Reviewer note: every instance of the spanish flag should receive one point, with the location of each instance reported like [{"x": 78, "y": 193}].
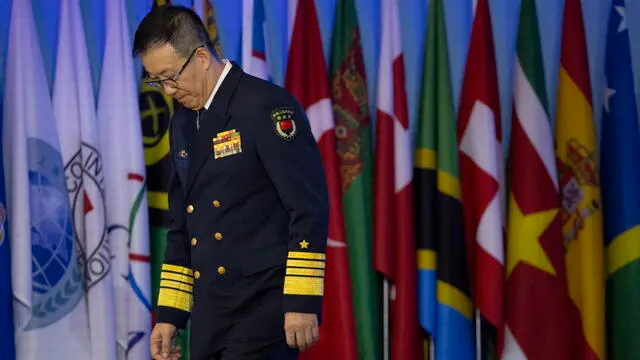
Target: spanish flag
[{"x": 580, "y": 213}]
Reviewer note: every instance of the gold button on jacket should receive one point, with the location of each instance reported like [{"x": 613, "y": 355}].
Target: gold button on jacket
[
  {"x": 194, "y": 241},
  {"x": 216, "y": 203},
  {"x": 222, "y": 270},
  {"x": 190, "y": 209},
  {"x": 218, "y": 236},
  {"x": 196, "y": 274}
]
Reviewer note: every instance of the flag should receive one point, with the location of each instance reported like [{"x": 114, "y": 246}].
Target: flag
[
  {"x": 7, "y": 342},
  {"x": 394, "y": 243},
  {"x": 482, "y": 178},
  {"x": 254, "y": 40},
  {"x": 353, "y": 132},
  {"x": 306, "y": 80},
  {"x": 206, "y": 12},
  {"x": 580, "y": 214},
  {"x": 620, "y": 176},
  {"x": 125, "y": 183},
  {"x": 47, "y": 275},
  {"x": 537, "y": 299},
  {"x": 75, "y": 115},
  {"x": 439, "y": 215}
]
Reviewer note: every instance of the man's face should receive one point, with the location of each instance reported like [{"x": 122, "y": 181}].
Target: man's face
[{"x": 189, "y": 88}]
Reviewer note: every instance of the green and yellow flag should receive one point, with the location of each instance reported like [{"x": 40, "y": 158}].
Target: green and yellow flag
[{"x": 620, "y": 174}]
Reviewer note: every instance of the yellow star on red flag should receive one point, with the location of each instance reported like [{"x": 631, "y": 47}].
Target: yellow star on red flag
[{"x": 524, "y": 234}]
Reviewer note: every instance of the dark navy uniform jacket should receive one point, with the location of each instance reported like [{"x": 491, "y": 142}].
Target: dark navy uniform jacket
[{"x": 249, "y": 209}]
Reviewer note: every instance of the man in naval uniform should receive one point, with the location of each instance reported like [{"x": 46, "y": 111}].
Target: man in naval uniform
[{"x": 248, "y": 203}]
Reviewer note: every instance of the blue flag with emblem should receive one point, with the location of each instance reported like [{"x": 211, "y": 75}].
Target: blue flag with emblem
[
  {"x": 620, "y": 192},
  {"x": 7, "y": 343},
  {"x": 47, "y": 275}
]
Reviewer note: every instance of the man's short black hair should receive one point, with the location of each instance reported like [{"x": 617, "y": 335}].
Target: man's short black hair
[{"x": 178, "y": 26}]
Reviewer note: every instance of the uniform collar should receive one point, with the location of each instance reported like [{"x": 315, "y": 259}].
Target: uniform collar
[
  {"x": 220, "y": 102},
  {"x": 223, "y": 75}
]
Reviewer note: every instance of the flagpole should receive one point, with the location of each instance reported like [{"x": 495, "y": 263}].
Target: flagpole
[
  {"x": 385, "y": 319},
  {"x": 432, "y": 348},
  {"x": 478, "y": 336}
]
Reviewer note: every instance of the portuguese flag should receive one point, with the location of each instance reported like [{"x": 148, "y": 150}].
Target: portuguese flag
[
  {"x": 537, "y": 300},
  {"x": 156, "y": 109},
  {"x": 353, "y": 138}
]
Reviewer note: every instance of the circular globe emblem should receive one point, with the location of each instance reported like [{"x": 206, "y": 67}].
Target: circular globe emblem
[{"x": 56, "y": 276}]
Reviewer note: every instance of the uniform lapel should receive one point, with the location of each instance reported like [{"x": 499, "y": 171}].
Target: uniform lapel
[
  {"x": 188, "y": 130},
  {"x": 202, "y": 146},
  {"x": 212, "y": 121}
]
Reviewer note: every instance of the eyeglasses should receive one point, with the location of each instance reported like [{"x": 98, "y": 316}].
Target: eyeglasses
[{"x": 173, "y": 81}]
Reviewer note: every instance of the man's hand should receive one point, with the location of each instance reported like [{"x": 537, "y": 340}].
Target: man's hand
[
  {"x": 301, "y": 330},
  {"x": 161, "y": 342}
]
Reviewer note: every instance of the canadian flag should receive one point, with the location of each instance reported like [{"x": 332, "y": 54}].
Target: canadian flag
[
  {"x": 394, "y": 241},
  {"x": 307, "y": 80}
]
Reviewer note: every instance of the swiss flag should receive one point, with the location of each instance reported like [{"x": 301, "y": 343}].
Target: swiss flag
[{"x": 481, "y": 172}]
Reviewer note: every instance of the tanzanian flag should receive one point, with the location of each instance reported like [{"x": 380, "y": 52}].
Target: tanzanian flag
[
  {"x": 620, "y": 176},
  {"x": 446, "y": 309}
]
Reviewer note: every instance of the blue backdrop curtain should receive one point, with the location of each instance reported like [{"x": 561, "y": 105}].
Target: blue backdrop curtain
[{"x": 413, "y": 15}]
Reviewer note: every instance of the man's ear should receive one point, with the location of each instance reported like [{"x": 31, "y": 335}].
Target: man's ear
[{"x": 204, "y": 56}]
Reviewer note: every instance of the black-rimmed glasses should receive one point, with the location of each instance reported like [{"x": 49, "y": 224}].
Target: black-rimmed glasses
[{"x": 173, "y": 81}]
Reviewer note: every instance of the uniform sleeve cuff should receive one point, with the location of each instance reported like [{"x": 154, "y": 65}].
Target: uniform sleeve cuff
[
  {"x": 175, "y": 317},
  {"x": 175, "y": 297},
  {"x": 304, "y": 282},
  {"x": 303, "y": 304}
]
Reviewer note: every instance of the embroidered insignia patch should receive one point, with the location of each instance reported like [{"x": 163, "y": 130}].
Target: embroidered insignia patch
[
  {"x": 284, "y": 122},
  {"x": 227, "y": 143}
]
